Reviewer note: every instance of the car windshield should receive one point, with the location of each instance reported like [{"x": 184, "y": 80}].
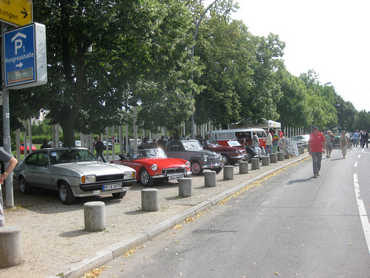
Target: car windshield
[
  {"x": 71, "y": 155},
  {"x": 192, "y": 145},
  {"x": 152, "y": 153},
  {"x": 233, "y": 143}
]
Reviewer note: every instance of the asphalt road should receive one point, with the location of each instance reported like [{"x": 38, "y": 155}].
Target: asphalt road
[{"x": 292, "y": 225}]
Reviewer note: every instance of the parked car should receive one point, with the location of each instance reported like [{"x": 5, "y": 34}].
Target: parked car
[
  {"x": 152, "y": 164},
  {"x": 21, "y": 148},
  {"x": 108, "y": 145},
  {"x": 231, "y": 151},
  {"x": 301, "y": 140},
  {"x": 192, "y": 150},
  {"x": 73, "y": 172}
]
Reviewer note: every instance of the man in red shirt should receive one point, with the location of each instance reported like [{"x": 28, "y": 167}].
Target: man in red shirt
[{"x": 316, "y": 144}]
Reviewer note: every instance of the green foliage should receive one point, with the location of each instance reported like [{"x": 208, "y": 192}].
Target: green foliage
[{"x": 142, "y": 57}]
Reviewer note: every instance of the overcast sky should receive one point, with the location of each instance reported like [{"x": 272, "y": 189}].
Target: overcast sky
[{"x": 331, "y": 37}]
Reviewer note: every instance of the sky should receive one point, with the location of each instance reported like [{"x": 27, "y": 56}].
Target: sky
[{"x": 332, "y": 37}]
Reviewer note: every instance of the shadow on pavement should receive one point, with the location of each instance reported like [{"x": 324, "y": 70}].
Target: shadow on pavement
[
  {"x": 75, "y": 233},
  {"x": 300, "y": 180},
  {"x": 47, "y": 202}
]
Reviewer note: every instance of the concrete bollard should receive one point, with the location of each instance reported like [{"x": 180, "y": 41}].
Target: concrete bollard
[
  {"x": 280, "y": 156},
  {"x": 255, "y": 163},
  {"x": 149, "y": 199},
  {"x": 243, "y": 167},
  {"x": 185, "y": 187},
  {"x": 273, "y": 158},
  {"x": 265, "y": 160},
  {"x": 10, "y": 247},
  {"x": 228, "y": 172},
  {"x": 94, "y": 214},
  {"x": 209, "y": 178}
]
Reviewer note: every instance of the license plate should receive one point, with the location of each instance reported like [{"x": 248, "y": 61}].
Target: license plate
[
  {"x": 107, "y": 187},
  {"x": 175, "y": 177}
]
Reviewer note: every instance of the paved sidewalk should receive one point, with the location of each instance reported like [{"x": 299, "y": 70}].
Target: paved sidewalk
[{"x": 53, "y": 236}]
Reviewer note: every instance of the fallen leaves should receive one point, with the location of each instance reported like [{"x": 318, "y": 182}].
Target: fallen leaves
[
  {"x": 93, "y": 273},
  {"x": 130, "y": 252}
]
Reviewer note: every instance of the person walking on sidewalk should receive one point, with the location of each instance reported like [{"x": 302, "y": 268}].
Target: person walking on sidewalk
[
  {"x": 316, "y": 143},
  {"x": 269, "y": 142},
  {"x": 99, "y": 148},
  {"x": 5, "y": 157},
  {"x": 344, "y": 143}
]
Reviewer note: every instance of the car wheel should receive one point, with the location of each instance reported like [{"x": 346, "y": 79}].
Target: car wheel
[
  {"x": 196, "y": 169},
  {"x": 24, "y": 186},
  {"x": 119, "y": 195},
  {"x": 225, "y": 159},
  {"x": 145, "y": 178},
  {"x": 65, "y": 194}
]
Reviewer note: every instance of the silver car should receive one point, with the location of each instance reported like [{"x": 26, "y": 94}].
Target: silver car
[{"x": 73, "y": 172}]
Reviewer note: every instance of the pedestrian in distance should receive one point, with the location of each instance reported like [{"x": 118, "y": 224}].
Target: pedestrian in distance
[
  {"x": 5, "y": 157},
  {"x": 367, "y": 139},
  {"x": 99, "y": 148},
  {"x": 269, "y": 142},
  {"x": 344, "y": 142},
  {"x": 316, "y": 143},
  {"x": 45, "y": 144},
  {"x": 329, "y": 139},
  {"x": 275, "y": 142},
  {"x": 255, "y": 140}
]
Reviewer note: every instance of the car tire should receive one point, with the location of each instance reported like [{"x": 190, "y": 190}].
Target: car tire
[
  {"x": 225, "y": 160},
  {"x": 145, "y": 178},
  {"x": 24, "y": 187},
  {"x": 65, "y": 194},
  {"x": 196, "y": 169},
  {"x": 119, "y": 195}
]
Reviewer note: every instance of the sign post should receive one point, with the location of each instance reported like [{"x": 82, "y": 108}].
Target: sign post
[
  {"x": 25, "y": 57},
  {"x": 9, "y": 194}
]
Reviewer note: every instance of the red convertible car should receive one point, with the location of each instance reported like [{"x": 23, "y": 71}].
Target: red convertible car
[{"x": 152, "y": 164}]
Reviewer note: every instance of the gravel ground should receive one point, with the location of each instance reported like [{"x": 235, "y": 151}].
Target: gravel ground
[{"x": 53, "y": 235}]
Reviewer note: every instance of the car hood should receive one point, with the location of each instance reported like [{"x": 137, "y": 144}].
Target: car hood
[
  {"x": 94, "y": 168},
  {"x": 163, "y": 162}
]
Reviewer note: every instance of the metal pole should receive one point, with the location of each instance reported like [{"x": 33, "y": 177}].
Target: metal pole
[{"x": 9, "y": 195}]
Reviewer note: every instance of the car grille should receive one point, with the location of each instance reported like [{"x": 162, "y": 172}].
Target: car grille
[
  {"x": 100, "y": 180},
  {"x": 173, "y": 171},
  {"x": 213, "y": 160},
  {"x": 109, "y": 178}
]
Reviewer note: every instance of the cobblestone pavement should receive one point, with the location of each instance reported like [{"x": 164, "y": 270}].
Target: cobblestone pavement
[{"x": 53, "y": 235}]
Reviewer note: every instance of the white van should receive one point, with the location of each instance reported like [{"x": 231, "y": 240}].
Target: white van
[{"x": 240, "y": 134}]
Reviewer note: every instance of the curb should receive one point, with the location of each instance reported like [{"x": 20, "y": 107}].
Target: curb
[{"x": 103, "y": 256}]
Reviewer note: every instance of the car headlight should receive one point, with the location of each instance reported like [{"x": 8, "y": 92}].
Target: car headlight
[
  {"x": 88, "y": 179},
  {"x": 187, "y": 164},
  {"x": 130, "y": 175},
  {"x": 154, "y": 167},
  {"x": 205, "y": 157}
]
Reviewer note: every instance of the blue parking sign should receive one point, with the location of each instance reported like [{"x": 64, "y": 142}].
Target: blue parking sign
[{"x": 25, "y": 56}]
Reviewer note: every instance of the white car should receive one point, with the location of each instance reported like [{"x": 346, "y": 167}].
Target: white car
[{"x": 73, "y": 172}]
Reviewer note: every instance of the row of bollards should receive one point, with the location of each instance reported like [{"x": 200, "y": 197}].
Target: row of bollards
[{"x": 94, "y": 212}]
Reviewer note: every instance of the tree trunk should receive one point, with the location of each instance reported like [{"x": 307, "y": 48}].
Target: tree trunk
[{"x": 68, "y": 131}]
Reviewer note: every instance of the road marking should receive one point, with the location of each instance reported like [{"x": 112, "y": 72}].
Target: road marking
[
  {"x": 355, "y": 164},
  {"x": 359, "y": 156},
  {"x": 362, "y": 211}
]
